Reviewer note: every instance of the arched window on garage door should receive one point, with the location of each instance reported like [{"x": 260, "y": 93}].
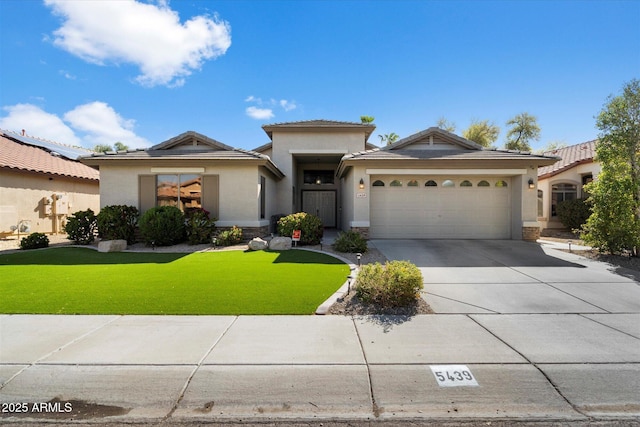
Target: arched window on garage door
[
  {"x": 412, "y": 183},
  {"x": 466, "y": 183},
  {"x": 484, "y": 183},
  {"x": 501, "y": 184},
  {"x": 431, "y": 183},
  {"x": 448, "y": 183},
  {"x": 396, "y": 183},
  {"x": 378, "y": 183}
]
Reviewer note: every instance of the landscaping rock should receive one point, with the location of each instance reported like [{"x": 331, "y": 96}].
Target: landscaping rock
[
  {"x": 257, "y": 244},
  {"x": 280, "y": 244},
  {"x": 112, "y": 246}
]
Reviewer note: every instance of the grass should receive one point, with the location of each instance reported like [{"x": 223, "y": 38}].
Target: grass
[{"x": 83, "y": 281}]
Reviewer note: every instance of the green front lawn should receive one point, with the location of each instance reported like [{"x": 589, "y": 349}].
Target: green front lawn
[{"x": 83, "y": 281}]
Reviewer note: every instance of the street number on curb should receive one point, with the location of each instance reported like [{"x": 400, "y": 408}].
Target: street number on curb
[{"x": 453, "y": 376}]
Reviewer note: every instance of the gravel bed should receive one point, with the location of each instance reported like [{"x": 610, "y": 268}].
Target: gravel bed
[{"x": 350, "y": 305}]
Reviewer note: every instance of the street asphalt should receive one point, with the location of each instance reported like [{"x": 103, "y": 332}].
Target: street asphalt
[{"x": 523, "y": 333}]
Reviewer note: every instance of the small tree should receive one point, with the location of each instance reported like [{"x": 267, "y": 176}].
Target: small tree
[
  {"x": 445, "y": 124},
  {"x": 614, "y": 225},
  {"x": 367, "y": 119},
  {"x": 524, "y": 129},
  {"x": 482, "y": 132},
  {"x": 388, "y": 138}
]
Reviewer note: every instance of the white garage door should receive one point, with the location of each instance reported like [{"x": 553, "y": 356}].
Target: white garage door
[{"x": 440, "y": 207}]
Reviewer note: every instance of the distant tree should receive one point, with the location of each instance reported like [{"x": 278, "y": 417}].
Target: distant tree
[
  {"x": 614, "y": 224},
  {"x": 388, "y": 138},
  {"x": 552, "y": 146},
  {"x": 119, "y": 146},
  {"x": 445, "y": 124},
  {"x": 482, "y": 132},
  {"x": 102, "y": 148},
  {"x": 367, "y": 119},
  {"x": 524, "y": 129}
]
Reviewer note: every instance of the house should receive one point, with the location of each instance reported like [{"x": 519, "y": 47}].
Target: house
[
  {"x": 41, "y": 184},
  {"x": 432, "y": 184},
  {"x": 565, "y": 180}
]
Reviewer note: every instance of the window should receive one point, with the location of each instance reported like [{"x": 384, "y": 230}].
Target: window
[
  {"x": 540, "y": 195},
  {"x": 560, "y": 193},
  {"x": 318, "y": 177},
  {"x": 263, "y": 197},
  {"x": 182, "y": 191},
  {"x": 501, "y": 184},
  {"x": 484, "y": 183},
  {"x": 466, "y": 183},
  {"x": 378, "y": 183},
  {"x": 431, "y": 183},
  {"x": 448, "y": 183},
  {"x": 412, "y": 183},
  {"x": 395, "y": 183}
]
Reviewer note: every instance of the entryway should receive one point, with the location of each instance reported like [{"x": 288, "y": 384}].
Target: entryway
[{"x": 322, "y": 204}]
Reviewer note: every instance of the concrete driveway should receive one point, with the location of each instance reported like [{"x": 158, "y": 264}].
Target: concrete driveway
[{"x": 514, "y": 277}]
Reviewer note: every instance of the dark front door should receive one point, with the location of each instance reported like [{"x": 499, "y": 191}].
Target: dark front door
[{"x": 322, "y": 204}]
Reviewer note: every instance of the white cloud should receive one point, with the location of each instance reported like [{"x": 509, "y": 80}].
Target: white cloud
[
  {"x": 102, "y": 125},
  {"x": 259, "y": 113},
  {"x": 37, "y": 122},
  {"x": 86, "y": 125},
  {"x": 288, "y": 105},
  {"x": 149, "y": 36}
]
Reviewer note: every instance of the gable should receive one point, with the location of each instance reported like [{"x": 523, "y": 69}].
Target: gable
[
  {"x": 191, "y": 140},
  {"x": 434, "y": 139}
]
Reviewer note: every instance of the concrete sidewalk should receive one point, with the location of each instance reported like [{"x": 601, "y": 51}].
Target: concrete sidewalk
[
  {"x": 565, "y": 367},
  {"x": 524, "y": 333}
]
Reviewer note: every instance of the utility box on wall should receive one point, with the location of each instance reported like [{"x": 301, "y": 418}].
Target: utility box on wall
[
  {"x": 61, "y": 204},
  {"x": 47, "y": 206}
]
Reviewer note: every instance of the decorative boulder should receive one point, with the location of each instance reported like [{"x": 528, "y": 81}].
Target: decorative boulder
[
  {"x": 112, "y": 246},
  {"x": 257, "y": 244},
  {"x": 280, "y": 243}
]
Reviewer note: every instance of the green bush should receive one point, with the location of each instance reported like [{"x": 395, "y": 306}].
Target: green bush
[
  {"x": 573, "y": 214},
  {"x": 81, "y": 227},
  {"x": 199, "y": 226},
  {"x": 34, "y": 241},
  {"x": 395, "y": 284},
  {"x": 118, "y": 222},
  {"x": 233, "y": 236},
  {"x": 350, "y": 241},
  {"x": 310, "y": 226},
  {"x": 162, "y": 226}
]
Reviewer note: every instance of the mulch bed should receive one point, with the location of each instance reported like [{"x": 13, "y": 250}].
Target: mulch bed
[{"x": 350, "y": 305}]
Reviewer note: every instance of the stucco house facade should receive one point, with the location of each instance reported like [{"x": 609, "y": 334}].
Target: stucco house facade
[
  {"x": 41, "y": 184},
  {"x": 565, "y": 180},
  {"x": 432, "y": 184}
]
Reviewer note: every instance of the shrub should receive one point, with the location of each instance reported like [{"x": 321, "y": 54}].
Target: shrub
[
  {"x": 162, "y": 226},
  {"x": 233, "y": 236},
  {"x": 81, "y": 227},
  {"x": 309, "y": 225},
  {"x": 350, "y": 241},
  {"x": 118, "y": 222},
  {"x": 34, "y": 241},
  {"x": 199, "y": 226},
  {"x": 573, "y": 213},
  {"x": 395, "y": 284}
]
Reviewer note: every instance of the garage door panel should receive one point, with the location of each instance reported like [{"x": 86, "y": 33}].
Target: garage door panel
[{"x": 440, "y": 212}]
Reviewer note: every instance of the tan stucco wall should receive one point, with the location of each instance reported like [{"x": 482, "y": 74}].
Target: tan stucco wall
[
  {"x": 22, "y": 194},
  {"x": 238, "y": 190},
  {"x": 570, "y": 176},
  {"x": 287, "y": 144}
]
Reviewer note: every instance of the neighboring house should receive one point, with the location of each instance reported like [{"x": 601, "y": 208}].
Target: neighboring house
[
  {"x": 433, "y": 184},
  {"x": 41, "y": 184},
  {"x": 565, "y": 180}
]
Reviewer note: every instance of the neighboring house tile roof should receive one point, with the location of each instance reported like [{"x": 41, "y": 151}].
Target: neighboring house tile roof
[
  {"x": 570, "y": 156},
  {"x": 71, "y": 153},
  {"x": 24, "y": 157}
]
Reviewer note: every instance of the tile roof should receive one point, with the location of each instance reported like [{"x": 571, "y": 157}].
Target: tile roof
[
  {"x": 400, "y": 154},
  {"x": 570, "y": 156},
  {"x": 20, "y": 156},
  {"x": 329, "y": 124}
]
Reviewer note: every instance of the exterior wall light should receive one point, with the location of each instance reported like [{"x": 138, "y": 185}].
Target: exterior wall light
[
  {"x": 361, "y": 185},
  {"x": 531, "y": 184}
]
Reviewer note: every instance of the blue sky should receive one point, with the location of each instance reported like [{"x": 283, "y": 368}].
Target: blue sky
[{"x": 103, "y": 71}]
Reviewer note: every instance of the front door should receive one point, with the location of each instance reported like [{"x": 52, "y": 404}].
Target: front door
[{"x": 321, "y": 204}]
